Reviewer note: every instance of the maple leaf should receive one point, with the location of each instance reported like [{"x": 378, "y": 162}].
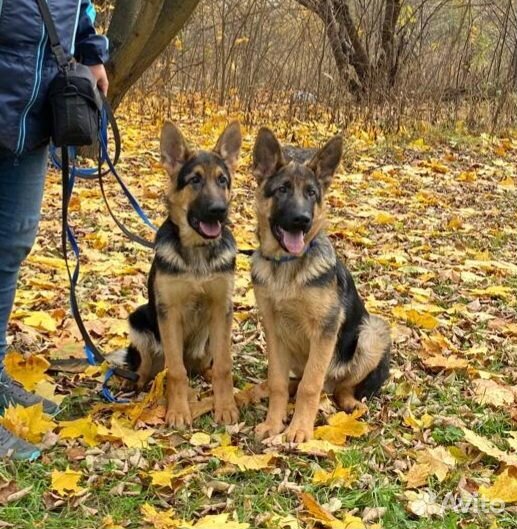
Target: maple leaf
[
  {"x": 494, "y": 291},
  {"x": 488, "y": 448},
  {"x": 29, "y": 423},
  {"x": 217, "y": 521},
  {"x": 420, "y": 318},
  {"x": 285, "y": 522},
  {"x": 67, "y": 482},
  {"x": 422, "y": 504},
  {"x": 342, "y": 425},
  {"x": 47, "y": 390},
  {"x": 200, "y": 439},
  {"x": 108, "y": 523},
  {"x": 339, "y": 476},
  {"x": 490, "y": 392},
  {"x": 418, "y": 424},
  {"x": 435, "y": 461},
  {"x": 152, "y": 398},
  {"x": 235, "y": 456},
  {"x": 445, "y": 362},
  {"x": 123, "y": 431},
  {"x": 41, "y": 320},
  {"x": 27, "y": 371},
  {"x": 504, "y": 488},
  {"x": 163, "y": 478},
  {"x": 322, "y": 515},
  {"x": 83, "y": 428},
  {"x": 318, "y": 447},
  {"x": 159, "y": 520}
]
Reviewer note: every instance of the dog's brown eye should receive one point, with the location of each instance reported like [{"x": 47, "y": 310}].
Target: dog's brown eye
[
  {"x": 222, "y": 180},
  {"x": 196, "y": 179},
  {"x": 282, "y": 189},
  {"x": 311, "y": 192}
]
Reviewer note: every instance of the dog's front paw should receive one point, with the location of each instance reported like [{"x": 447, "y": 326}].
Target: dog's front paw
[
  {"x": 298, "y": 433},
  {"x": 268, "y": 429},
  {"x": 179, "y": 415},
  {"x": 226, "y": 413}
]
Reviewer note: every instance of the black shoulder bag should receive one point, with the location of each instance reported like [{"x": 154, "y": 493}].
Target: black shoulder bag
[{"x": 73, "y": 95}]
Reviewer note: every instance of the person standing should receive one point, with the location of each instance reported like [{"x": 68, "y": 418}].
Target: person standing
[{"x": 27, "y": 66}]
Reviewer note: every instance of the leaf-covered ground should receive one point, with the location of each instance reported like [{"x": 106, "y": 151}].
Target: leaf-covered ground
[{"x": 427, "y": 226}]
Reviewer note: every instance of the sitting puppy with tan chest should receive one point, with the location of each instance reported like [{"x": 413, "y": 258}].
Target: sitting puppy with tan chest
[
  {"x": 315, "y": 323},
  {"x": 186, "y": 325}
]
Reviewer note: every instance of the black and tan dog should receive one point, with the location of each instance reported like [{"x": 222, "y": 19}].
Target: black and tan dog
[
  {"x": 186, "y": 324},
  {"x": 316, "y": 324}
]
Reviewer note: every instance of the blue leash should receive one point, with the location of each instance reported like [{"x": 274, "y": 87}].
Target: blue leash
[{"x": 70, "y": 174}]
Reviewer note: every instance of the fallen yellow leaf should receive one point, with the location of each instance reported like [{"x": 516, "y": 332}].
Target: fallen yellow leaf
[
  {"x": 435, "y": 461},
  {"x": 83, "y": 428},
  {"x": 504, "y": 488},
  {"x": 218, "y": 521},
  {"x": 493, "y": 292},
  {"x": 108, "y": 523},
  {"x": 200, "y": 439},
  {"x": 488, "y": 448},
  {"x": 318, "y": 447},
  {"x": 159, "y": 520},
  {"x": 342, "y": 425},
  {"x": 41, "y": 320},
  {"x": 67, "y": 482},
  {"x": 490, "y": 392},
  {"x": 27, "y": 371},
  {"x": 28, "y": 423},
  {"x": 163, "y": 478},
  {"x": 340, "y": 476},
  {"x": 47, "y": 390},
  {"x": 123, "y": 431},
  {"x": 422, "y": 319},
  {"x": 235, "y": 456},
  {"x": 445, "y": 362}
]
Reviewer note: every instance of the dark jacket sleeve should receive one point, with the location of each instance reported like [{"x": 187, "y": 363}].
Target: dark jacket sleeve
[{"x": 90, "y": 48}]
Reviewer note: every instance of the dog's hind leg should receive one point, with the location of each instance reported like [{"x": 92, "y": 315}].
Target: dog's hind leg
[
  {"x": 369, "y": 366},
  {"x": 145, "y": 353}
]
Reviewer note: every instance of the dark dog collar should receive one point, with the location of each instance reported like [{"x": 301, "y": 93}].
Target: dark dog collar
[{"x": 286, "y": 258}]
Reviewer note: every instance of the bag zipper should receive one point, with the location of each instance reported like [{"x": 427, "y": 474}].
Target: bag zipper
[{"x": 35, "y": 89}]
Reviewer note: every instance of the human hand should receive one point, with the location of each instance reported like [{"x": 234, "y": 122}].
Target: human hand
[{"x": 101, "y": 77}]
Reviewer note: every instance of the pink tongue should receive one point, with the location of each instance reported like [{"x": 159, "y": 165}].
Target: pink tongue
[
  {"x": 210, "y": 229},
  {"x": 293, "y": 241}
]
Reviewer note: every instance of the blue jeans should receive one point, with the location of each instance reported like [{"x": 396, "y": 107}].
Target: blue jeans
[{"x": 21, "y": 191}]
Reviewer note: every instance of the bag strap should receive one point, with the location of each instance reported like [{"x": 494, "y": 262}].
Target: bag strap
[{"x": 58, "y": 51}]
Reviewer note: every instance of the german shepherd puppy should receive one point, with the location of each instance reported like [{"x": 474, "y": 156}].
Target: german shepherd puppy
[
  {"x": 186, "y": 325},
  {"x": 315, "y": 323}
]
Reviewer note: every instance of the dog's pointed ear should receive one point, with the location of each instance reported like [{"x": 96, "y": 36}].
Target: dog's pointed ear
[
  {"x": 325, "y": 162},
  {"x": 229, "y": 145},
  {"x": 173, "y": 148},
  {"x": 267, "y": 155}
]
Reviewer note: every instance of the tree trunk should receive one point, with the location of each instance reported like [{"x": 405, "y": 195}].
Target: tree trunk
[
  {"x": 140, "y": 30},
  {"x": 357, "y": 69}
]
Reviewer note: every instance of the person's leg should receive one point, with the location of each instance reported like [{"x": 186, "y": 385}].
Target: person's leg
[{"x": 21, "y": 191}]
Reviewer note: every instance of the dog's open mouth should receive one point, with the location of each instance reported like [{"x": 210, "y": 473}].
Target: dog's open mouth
[
  {"x": 291, "y": 241},
  {"x": 208, "y": 230}
]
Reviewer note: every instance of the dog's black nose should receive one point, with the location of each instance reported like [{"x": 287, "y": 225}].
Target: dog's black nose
[
  {"x": 301, "y": 221},
  {"x": 217, "y": 209}
]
